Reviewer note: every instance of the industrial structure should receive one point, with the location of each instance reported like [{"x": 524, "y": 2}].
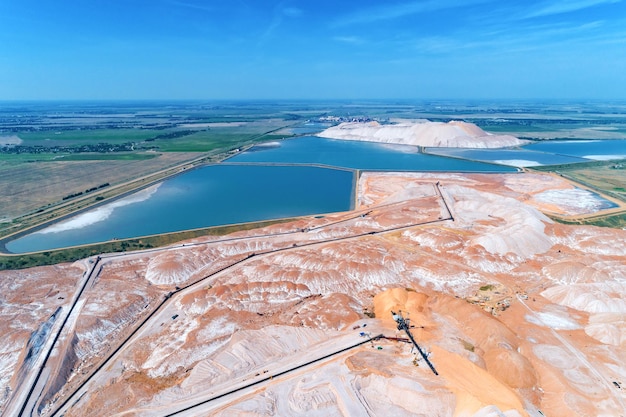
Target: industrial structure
[{"x": 403, "y": 324}]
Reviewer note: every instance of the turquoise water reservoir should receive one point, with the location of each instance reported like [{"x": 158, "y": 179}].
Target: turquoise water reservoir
[
  {"x": 549, "y": 152},
  {"x": 208, "y": 196},
  {"x": 251, "y": 186},
  {"x": 590, "y": 149},
  {"x": 359, "y": 155},
  {"x": 511, "y": 157}
]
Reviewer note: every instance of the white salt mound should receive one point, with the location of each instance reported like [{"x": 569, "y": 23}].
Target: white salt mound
[
  {"x": 605, "y": 297},
  {"x": 454, "y": 134}
]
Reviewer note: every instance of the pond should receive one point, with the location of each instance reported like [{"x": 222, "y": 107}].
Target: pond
[
  {"x": 209, "y": 196},
  {"x": 359, "y": 155}
]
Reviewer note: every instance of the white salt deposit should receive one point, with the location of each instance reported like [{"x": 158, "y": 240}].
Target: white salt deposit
[
  {"x": 101, "y": 213},
  {"x": 604, "y": 157},
  {"x": 552, "y": 320},
  {"x": 171, "y": 268},
  {"x": 453, "y": 134},
  {"x": 573, "y": 200},
  {"x": 603, "y": 297},
  {"x": 523, "y": 232},
  {"x": 520, "y": 163},
  {"x": 273, "y": 144},
  {"x": 10, "y": 140}
]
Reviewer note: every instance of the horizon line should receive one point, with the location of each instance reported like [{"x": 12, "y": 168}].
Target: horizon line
[{"x": 551, "y": 99}]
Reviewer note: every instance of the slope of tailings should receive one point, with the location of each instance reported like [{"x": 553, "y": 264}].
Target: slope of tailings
[
  {"x": 454, "y": 134},
  {"x": 520, "y": 314}
]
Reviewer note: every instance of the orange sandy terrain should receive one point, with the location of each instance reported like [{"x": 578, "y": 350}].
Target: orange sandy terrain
[{"x": 521, "y": 316}]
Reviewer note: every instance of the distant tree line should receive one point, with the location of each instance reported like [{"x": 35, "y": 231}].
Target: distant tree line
[
  {"x": 102, "y": 147},
  {"x": 99, "y": 147},
  {"x": 67, "y": 197},
  {"x": 172, "y": 135}
]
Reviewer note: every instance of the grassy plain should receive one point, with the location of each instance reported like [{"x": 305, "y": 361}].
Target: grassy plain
[
  {"x": 83, "y": 136},
  {"x": 31, "y": 186},
  {"x": 220, "y": 138},
  {"x": 118, "y": 156},
  {"x": 7, "y": 159},
  {"x": 615, "y": 221}
]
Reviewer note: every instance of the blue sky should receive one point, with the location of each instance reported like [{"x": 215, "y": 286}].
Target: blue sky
[{"x": 300, "y": 49}]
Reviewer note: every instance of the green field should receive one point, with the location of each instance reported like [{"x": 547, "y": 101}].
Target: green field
[
  {"x": 80, "y": 137},
  {"x": 5, "y": 159},
  {"x": 207, "y": 141},
  {"x": 615, "y": 221},
  {"x": 110, "y": 157}
]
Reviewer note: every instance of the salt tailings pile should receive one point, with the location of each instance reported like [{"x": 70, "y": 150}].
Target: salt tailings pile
[
  {"x": 522, "y": 316},
  {"x": 454, "y": 134}
]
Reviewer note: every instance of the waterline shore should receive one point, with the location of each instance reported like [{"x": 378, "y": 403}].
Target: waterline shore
[
  {"x": 212, "y": 195},
  {"x": 33, "y": 222}
]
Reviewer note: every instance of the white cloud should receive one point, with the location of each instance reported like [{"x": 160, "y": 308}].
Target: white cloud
[
  {"x": 524, "y": 38},
  {"x": 354, "y": 40},
  {"x": 567, "y": 6},
  {"x": 191, "y": 5},
  {"x": 292, "y": 12},
  {"x": 398, "y": 10}
]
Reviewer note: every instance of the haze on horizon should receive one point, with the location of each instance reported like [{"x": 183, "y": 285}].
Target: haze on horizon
[{"x": 194, "y": 49}]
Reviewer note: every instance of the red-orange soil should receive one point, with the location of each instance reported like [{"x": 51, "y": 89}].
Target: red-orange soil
[{"x": 520, "y": 315}]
